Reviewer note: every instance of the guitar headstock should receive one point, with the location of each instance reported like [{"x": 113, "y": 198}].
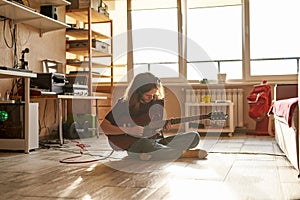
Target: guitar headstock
[{"x": 217, "y": 116}]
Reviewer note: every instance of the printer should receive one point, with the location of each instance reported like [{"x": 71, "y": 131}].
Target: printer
[
  {"x": 49, "y": 82},
  {"x": 77, "y": 83}
]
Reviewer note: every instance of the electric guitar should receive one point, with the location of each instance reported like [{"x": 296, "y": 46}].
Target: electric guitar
[{"x": 123, "y": 141}]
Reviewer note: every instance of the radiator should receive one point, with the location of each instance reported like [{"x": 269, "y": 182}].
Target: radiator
[{"x": 235, "y": 95}]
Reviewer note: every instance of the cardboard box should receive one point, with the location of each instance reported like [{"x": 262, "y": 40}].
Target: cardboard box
[
  {"x": 76, "y": 4},
  {"x": 99, "y": 45}
]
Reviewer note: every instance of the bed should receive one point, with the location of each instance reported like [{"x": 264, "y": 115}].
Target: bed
[{"x": 285, "y": 110}]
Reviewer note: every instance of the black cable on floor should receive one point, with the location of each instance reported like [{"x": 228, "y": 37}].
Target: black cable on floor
[
  {"x": 66, "y": 160},
  {"x": 70, "y": 160},
  {"x": 249, "y": 153}
]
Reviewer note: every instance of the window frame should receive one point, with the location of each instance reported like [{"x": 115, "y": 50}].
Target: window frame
[{"x": 246, "y": 61}]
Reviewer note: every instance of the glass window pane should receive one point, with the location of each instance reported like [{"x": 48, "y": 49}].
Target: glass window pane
[
  {"x": 155, "y": 40},
  {"x": 218, "y": 31},
  {"x": 140, "y": 68},
  {"x": 273, "y": 67},
  {"x": 152, "y": 4},
  {"x": 274, "y": 35},
  {"x": 280, "y": 37},
  {"x": 201, "y": 70},
  {"x": 165, "y": 70},
  {"x": 212, "y": 3},
  {"x": 234, "y": 70},
  {"x": 154, "y": 56}
]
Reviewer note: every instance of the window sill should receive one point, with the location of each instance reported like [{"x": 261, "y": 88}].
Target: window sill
[{"x": 230, "y": 83}]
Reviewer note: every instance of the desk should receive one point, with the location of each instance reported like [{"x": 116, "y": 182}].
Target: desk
[
  {"x": 65, "y": 98},
  {"x": 18, "y": 144},
  {"x": 62, "y": 107}
]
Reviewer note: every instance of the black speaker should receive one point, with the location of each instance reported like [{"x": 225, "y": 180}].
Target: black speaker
[{"x": 49, "y": 11}]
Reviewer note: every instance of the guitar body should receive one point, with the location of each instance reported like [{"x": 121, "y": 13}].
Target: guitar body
[{"x": 153, "y": 112}]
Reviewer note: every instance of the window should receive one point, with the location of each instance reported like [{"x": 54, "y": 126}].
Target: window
[
  {"x": 216, "y": 34},
  {"x": 214, "y": 39},
  {"x": 155, "y": 38},
  {"x": 274, "y": 36}
]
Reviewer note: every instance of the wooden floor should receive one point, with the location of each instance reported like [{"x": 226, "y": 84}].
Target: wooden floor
[{"x": 239, "y": 167}]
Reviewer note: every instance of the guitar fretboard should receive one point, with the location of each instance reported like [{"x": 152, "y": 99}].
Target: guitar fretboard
[
  {"x": 211, "y": 116},
  {"x": 187, "y": 119}
]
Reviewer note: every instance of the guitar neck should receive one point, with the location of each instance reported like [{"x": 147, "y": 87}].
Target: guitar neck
[
  {"x": 186, "y": 119},
  {"x": 211, "y": 116}
]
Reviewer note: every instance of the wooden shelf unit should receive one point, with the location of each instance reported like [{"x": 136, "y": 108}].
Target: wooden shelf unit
[
  {"x": 82, "y": 34},
  {"x": 52, "y": 2},
  {"x": 85, "y": 64},
  {"x": 89, "y": 16},
  {"x": 85, "y": 52},
  {"x": 22, "y": 14},
  {"x": 82, "y": 14}
]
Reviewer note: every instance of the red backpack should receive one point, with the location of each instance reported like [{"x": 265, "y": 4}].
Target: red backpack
[{"x": 259, "y": 100}]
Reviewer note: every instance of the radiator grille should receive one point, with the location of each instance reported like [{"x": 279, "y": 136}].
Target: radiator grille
[{"x": 235, "y": 95}]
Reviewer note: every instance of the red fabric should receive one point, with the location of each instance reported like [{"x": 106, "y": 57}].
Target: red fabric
[
  {"x": 284, "y": 108},
  {"x": 259, "y": 100}
]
